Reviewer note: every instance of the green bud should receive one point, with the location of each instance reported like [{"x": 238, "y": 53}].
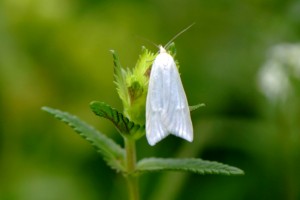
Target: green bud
[{"x": 132, "y": 85}]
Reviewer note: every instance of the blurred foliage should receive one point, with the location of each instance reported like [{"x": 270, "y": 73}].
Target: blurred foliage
[{"x": 56, "y": 53}]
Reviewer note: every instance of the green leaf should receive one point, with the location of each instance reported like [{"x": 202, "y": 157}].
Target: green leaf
[
  {"x": 122, "y": 123},
  {"x": 113, "y": 154},
  {"x": 195, "y": 107},
  {"x": 188, "y": 164},
  {"x": 120, "y": 79}
]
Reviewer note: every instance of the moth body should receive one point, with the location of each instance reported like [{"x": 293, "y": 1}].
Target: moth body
[{"x": 167, "y": 110}]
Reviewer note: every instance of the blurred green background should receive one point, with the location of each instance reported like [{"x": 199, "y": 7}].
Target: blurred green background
[{"x": 242, "y": 59}]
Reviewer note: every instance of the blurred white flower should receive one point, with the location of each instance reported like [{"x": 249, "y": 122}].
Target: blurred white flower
[
  {"x": 273, "y": 81},
  {"x": 274, "y": 76}
]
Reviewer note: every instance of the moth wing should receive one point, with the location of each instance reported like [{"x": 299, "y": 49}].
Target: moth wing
[
  {"x": 177, "y": 117},
  {"x": 155, "y": 106}
]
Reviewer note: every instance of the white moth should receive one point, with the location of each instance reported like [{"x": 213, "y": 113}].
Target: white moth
[{"x": 167, "y": 110}]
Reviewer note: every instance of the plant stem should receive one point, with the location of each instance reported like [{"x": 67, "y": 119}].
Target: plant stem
[{"x": 132, "y": 180}]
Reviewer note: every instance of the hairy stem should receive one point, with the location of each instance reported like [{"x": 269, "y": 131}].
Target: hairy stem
[{"x": 132, "y": 180}]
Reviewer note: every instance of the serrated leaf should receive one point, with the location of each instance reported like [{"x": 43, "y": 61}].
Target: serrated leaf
[
  {"x": 120, "y": 78},
  {"x": 122, "y": 123},
  {"x": 113, "y": 154},
  {"x": 195, "y": 107},
  {"x": 194, "y": 165}
]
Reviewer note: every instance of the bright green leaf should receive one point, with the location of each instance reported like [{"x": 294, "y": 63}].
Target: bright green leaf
[
  {"x": 194, "y": 165},
  {"x": 113, "y": 154}
]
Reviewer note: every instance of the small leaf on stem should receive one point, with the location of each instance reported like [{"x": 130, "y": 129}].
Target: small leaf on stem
[{"x": 122, "y": 123}]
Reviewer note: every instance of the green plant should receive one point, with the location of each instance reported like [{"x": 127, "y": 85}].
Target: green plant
[{"x": 132, "y": 86}]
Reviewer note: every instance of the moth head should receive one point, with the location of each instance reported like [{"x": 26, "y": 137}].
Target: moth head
[{"x": 162, "y": 49}]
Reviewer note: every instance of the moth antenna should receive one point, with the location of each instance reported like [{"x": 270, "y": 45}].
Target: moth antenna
[
  {"x": 149, "y": 41},
  {"x": 178, "y": 34}
]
